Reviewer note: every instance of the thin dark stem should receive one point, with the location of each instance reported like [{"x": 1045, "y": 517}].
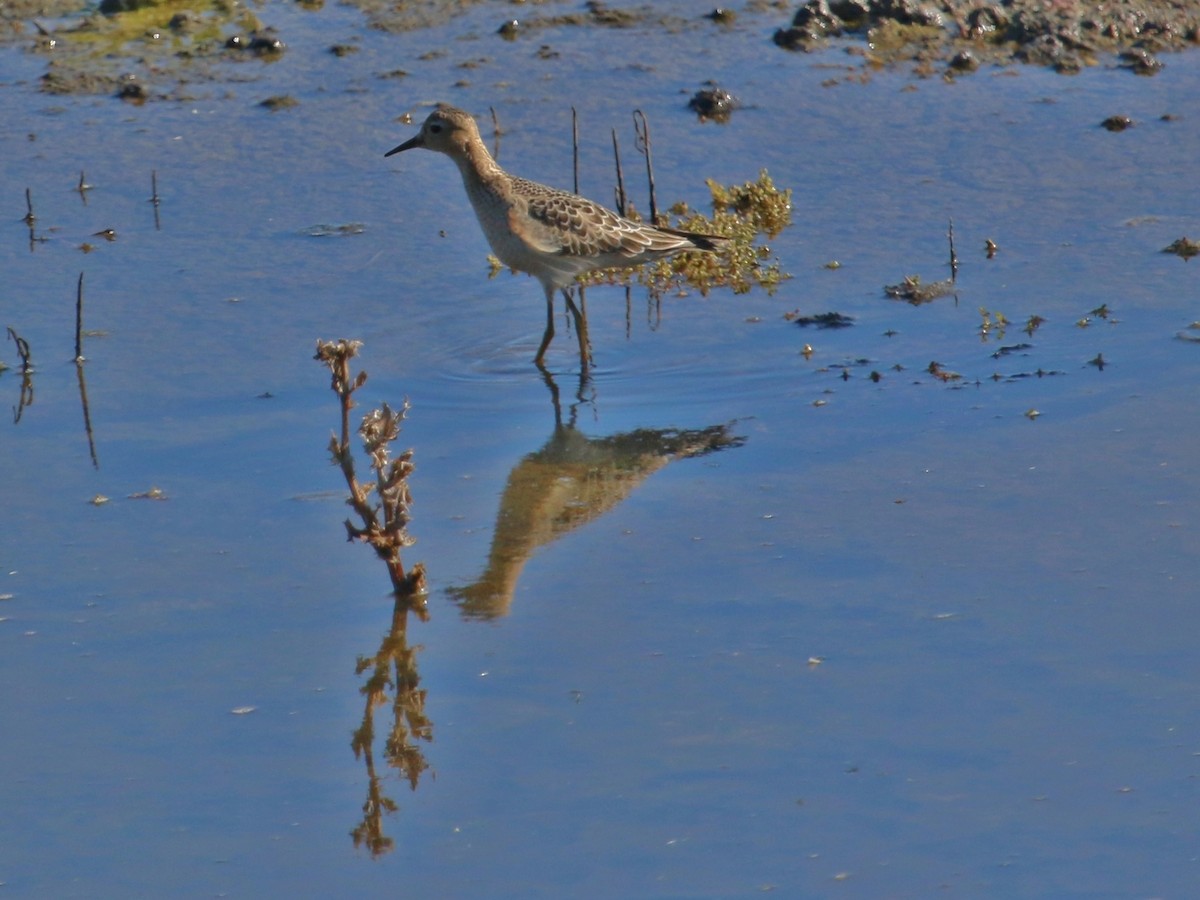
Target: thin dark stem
[
  {"x": 620, "y": 175},
  {"x": 26, "y": 374},
  {"x": 79, "y": 320},
  {"x": 22, "y": 350},
  {"x": 155, "y": 200},
  {"x": 496, "y": 132},
  {"x": 641, "y": 127},
  {"x": 575, "y": 146},
  {"x": 87, "y": 416},
  {"x": 953, "y": 255}
]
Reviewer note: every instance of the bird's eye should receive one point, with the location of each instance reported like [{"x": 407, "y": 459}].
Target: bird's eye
[{"x": 436, "y": 129}]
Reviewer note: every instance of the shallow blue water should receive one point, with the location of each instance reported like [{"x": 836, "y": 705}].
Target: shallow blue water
[{"x": 907, "y": 640}]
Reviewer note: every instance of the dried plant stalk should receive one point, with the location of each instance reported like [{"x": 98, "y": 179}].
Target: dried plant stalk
[{"x": 382, "y": 523}]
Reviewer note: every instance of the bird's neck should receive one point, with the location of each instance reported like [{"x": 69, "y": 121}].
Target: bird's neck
[{"x": 478, "y": 168}]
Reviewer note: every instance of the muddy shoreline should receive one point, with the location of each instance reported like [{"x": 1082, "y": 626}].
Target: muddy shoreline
[
  {"x": 955, "y": 36},
  {"x": 141, "y": 50}
]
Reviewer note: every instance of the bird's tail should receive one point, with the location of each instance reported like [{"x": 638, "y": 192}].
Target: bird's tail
[{"x": 712, "y": 243}]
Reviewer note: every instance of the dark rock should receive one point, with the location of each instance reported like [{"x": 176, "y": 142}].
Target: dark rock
[
  {"x": 964, "y": 61},
  {"x": 1141, "y": 61},
  {"x": 713, "y": 103},
  {"x": 988, "y": 23}
]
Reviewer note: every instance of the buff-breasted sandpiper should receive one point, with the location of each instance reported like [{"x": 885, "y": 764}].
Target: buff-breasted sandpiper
[{"x": 550, "y": 234}]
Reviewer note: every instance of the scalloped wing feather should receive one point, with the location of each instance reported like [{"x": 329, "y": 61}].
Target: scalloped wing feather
[{"x": 578, "y": 227}]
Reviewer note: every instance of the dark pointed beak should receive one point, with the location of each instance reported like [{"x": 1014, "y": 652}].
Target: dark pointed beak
[{"x": 407, "y": 145}]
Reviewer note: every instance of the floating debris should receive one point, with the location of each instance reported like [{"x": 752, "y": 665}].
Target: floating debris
[
  {"x": 1191, "y": 333},
  {"x": 324, "y": 230},
  {"x": 1010, "y": 349},
  {"x": 941, "y": 373},
  {"x": 996, "y": 323},
  {"x": 821, "y": 320},
  {"x": 1185, "y": 247},
  {"x": 279, "y": 101},
  {"x": 912, "y": 291},
  {"x": 153, "y": 494}
]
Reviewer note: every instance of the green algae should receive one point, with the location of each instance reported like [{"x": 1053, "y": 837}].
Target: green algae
[{"x": 745, "y": 213}]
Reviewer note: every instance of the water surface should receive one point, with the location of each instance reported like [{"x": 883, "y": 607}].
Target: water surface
[{"x": 896, "y": 637}]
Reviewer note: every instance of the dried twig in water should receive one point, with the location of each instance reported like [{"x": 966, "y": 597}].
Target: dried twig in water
[
  {"x": 620, "y": 190},
  {"x": 30, "y": 218},
  {"x": 496, "y": 132},
  {"x": 79, "y": 321},
  {"x": 641, "y": 128},
  {"x": 575, "y": 146},
  {"x": 385, "y": 521},
  {"x": 22, "y": 350},
  {"x": 26, "y": 374},
  {"x": 155, "y": 200},
  {"x": 953, "y": 255}
]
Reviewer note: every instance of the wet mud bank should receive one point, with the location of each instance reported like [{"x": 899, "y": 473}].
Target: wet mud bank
[
  {"x": 954, "y": 37},
  {"x": 141, "y": 50}
]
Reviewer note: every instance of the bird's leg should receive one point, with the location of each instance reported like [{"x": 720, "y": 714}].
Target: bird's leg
[
  {"x": 548, "y": 335},
  {"x": 585, "y": 350}
]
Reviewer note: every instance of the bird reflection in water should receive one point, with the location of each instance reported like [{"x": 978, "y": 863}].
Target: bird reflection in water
[{"x": 573, "y": 479}]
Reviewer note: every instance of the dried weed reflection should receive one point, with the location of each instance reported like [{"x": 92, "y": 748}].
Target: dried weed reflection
[
  {"x": 392, "y": 668},
  {"x": 23, "y": 351}
]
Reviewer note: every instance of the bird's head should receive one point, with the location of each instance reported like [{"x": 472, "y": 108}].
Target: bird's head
[{"x": 446, "y": 130}]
